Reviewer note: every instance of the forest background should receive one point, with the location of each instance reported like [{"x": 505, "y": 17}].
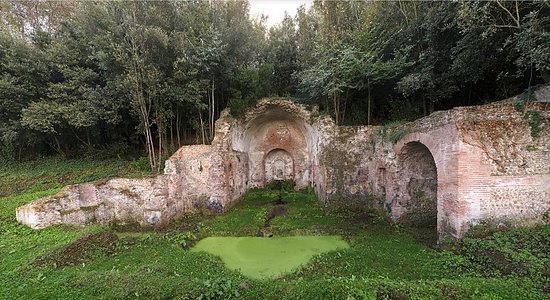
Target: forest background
[{"x": 112, "y": 78}]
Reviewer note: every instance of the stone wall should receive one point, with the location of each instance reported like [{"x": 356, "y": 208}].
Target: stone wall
[
  {"x": 505, "y": 165},
  {"x": 192, "y": 181},
  {"x": 454, "y": 168},
  {"x": 141, "y": 200},
  {"x": 492, "y": 164}
]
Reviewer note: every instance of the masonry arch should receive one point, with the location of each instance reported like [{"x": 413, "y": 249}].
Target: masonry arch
[
  {"x": 276, "y": 139},
  {"x": 418, "y": 193},
  {"x": 278, "y": 165},
  {"x": 444, "y": 145}
]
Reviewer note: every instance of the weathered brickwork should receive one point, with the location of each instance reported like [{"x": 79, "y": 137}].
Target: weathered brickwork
[{"x": 454, "y": 168}]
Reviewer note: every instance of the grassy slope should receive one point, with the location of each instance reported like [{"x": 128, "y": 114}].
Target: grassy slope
[{"x": 382, "y": 261}]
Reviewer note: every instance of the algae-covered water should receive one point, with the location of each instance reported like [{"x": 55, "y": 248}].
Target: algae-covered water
[{"x": 262, "y": 258}]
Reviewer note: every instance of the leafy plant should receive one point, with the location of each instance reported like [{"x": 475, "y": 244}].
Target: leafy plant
[
  {"x": 216, "y": 288},
  {"x": 519, "y": 106},
  {"x": 533, "y": 118},
  {"x": 140, "y": 164},
  {"x": 393, "y": 131},
  {"x": 182, "y": 239}
]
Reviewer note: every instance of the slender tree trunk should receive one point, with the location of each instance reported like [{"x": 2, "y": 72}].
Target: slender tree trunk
[
  {"x": 149, "y": 145},
  {"x": 79, "y": 139},
  {"x": 144, "y": 109},
  {"x": 212, "y": 120},
  {"x": 160, "y": 127},
  {"x": 171, "y": 142},
  {"x": 327, "y": 104},
  {"x": 369, "y": 102},
  {"x": 185, "y": 134},
  {"x": 137, "y": 77},
  {"x": 178, "y": 125},
  {"x": 344, "y": 106},
  {"x": 209, "y": 110},
  {"x": 202, "y": 128},
  {"x": 530, "y": 80},
  {"x": 58, "y": 147},
  {"x": 336, "y": 108},
  {"x": 88, "y": 136}
]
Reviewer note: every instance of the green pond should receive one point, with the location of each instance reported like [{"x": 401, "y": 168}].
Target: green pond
[{"x": 263, "y": 258}]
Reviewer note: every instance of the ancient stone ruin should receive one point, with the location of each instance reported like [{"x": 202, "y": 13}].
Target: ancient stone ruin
[{"x": 454, "y": 169}]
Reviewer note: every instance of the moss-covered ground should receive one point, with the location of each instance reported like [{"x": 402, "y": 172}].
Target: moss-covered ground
[{"x": 383, "y": 261}]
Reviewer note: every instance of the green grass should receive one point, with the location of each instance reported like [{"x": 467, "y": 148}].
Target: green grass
[
  {"x": 382, "y": 261},
  {"x": 43, "y": 174}
]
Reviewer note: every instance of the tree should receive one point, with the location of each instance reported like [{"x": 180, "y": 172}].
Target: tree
[
  {"x": 77, "y": 75},
  {"x": 23, "y": 18},
  {"x": 339, "y": 70},
  {"x": 24, "y": 74},
  {"x": 518, "y": 28},
  {"x": 283, "y": 56},
  {"x": 142, "y": 78}
]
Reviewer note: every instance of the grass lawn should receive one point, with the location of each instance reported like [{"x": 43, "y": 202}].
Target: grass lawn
[{"x": 382, "y": 261}]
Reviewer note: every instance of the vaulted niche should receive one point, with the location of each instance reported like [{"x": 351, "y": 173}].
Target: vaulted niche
[
  {"x": 278, "y": 150},
  {"x": 276, "y": 146},
  {"x": 419, "y": 195},
  {"x": 278, "y": 165}
]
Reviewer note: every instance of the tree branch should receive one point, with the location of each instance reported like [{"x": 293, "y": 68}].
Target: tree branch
[{"x": 518, "y": 26}]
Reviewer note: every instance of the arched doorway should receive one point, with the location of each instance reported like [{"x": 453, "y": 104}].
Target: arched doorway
[
  {"x": 419, "y": 191},
  {"x": 278, "y": 165}
]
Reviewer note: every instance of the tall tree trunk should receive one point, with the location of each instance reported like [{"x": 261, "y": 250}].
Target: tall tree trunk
[
  {"x": 178, "y": 126},
  {"x": 80, "y": 139},
  {"x": 344, "y": 106},
  {"x": 171, "y": 142},
  {"x": 212, "y": 120},
  {"x": 137, "y": 77},
  {"x": 202, "y": 129},
  {"x": 160, "y": 129},
  {"x": 149, "y": 145},
  {"x": 88, "y": 136},
  {"x": 336, "y": 108},
  {"x": 58, "y": 148},
  {"x": 369, "y": 102}
]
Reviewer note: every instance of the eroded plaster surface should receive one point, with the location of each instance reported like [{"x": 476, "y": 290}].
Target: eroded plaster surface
[{"x": 453, "y": 169}]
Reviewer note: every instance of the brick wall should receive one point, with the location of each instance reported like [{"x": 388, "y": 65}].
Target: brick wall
[{"x": 484, "y": 164}]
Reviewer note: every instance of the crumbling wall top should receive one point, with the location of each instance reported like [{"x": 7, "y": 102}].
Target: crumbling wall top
[{"x": 280, "y": 106}]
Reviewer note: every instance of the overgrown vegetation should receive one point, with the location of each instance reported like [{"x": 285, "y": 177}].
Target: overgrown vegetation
[
  {"x": 383, "y": 261},
  {"x": 532, "y": 117},
  {"x": 76, "y": 76},
  {"x": 394, "y": 131},
  {"x": 521, "y": 251},
  {"x": 54, "y": 172}
]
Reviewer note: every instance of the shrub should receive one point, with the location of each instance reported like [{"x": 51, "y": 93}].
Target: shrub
[
  {"x": 215, "y": 288},
  {"x": 140, "y": 164}
]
